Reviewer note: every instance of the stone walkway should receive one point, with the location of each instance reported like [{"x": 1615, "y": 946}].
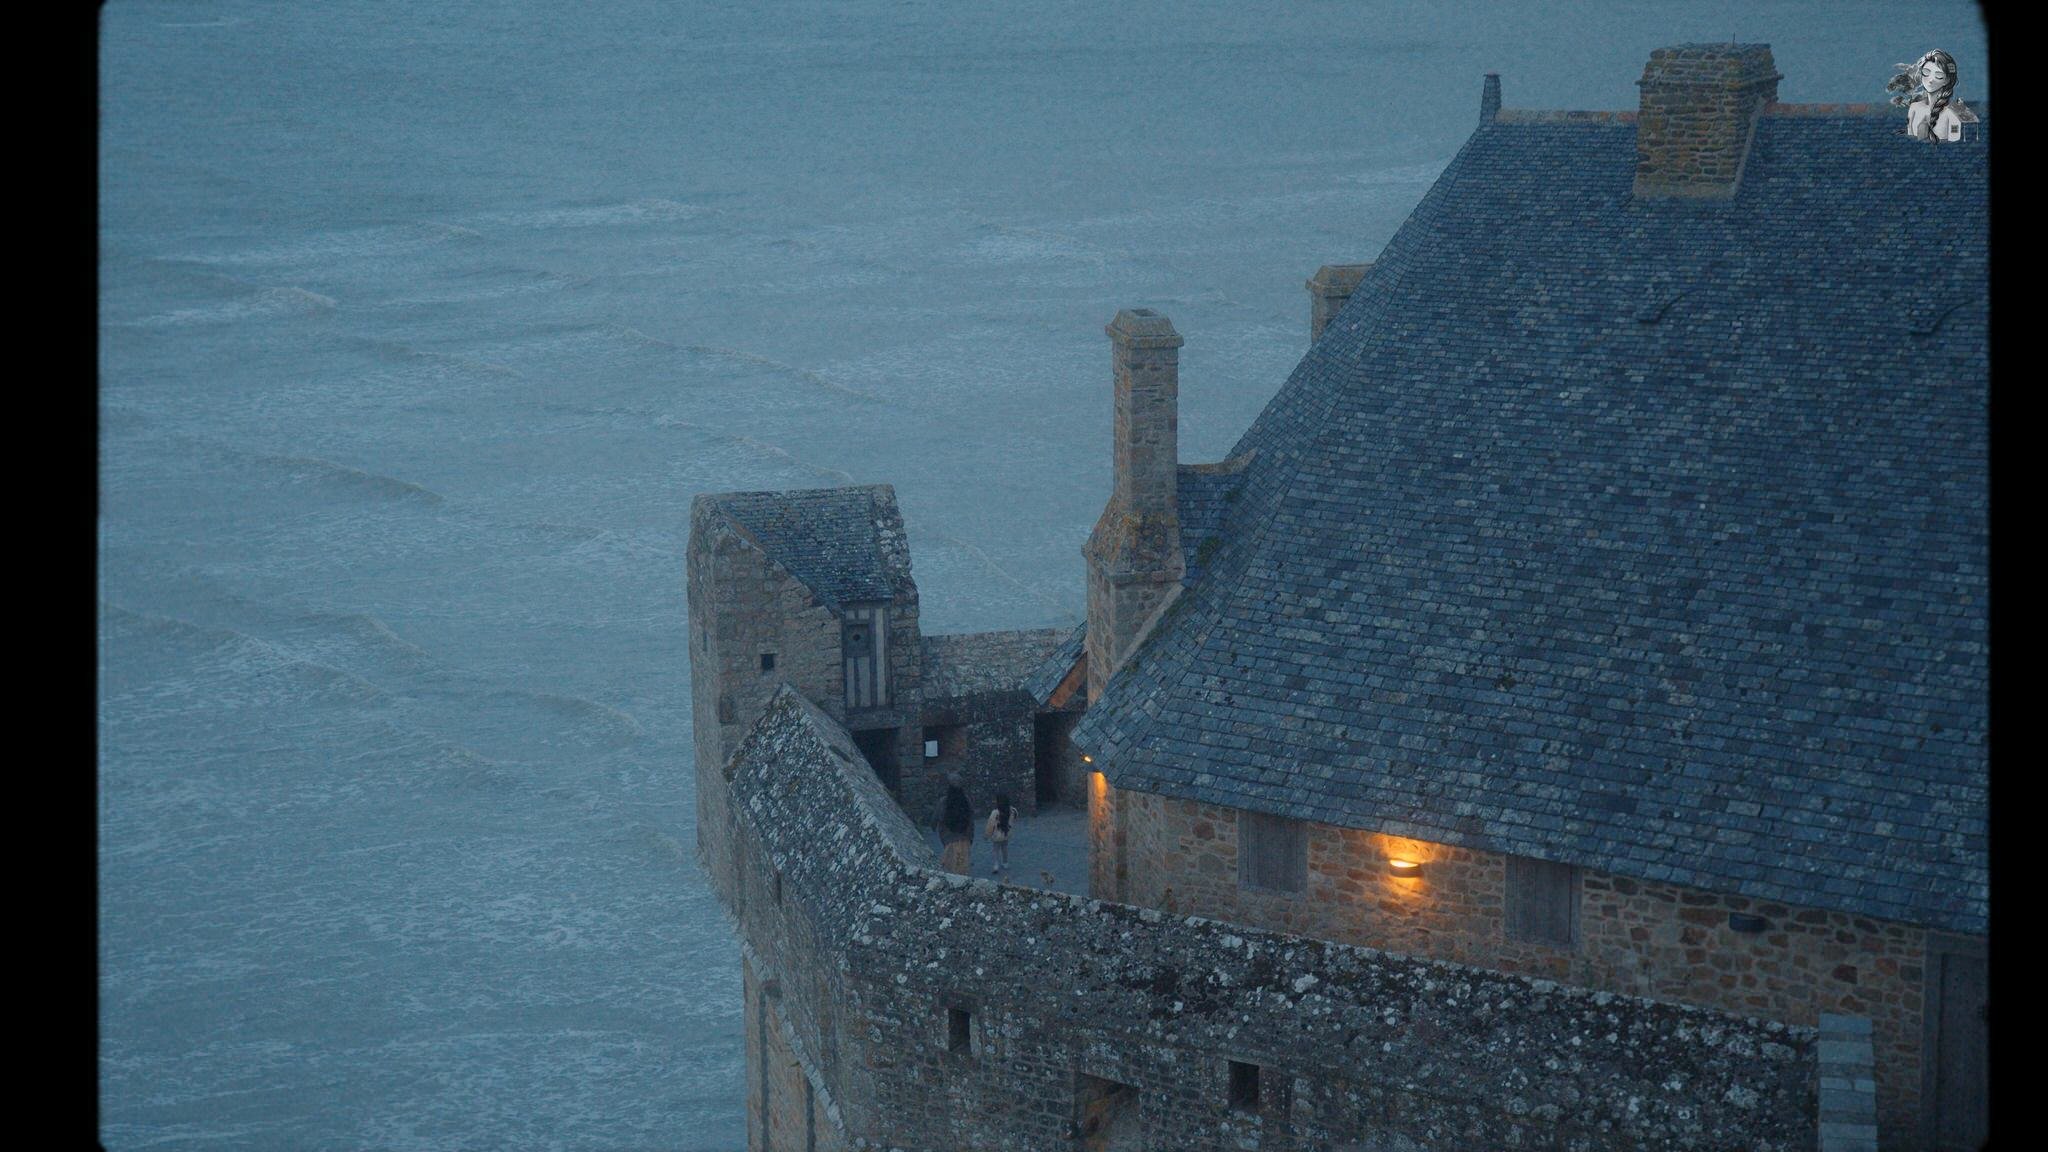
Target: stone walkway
[{"x": 1052, "y": 844}]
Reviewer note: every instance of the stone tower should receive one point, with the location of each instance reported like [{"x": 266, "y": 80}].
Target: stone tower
[{"x": 1134, "y": 554}]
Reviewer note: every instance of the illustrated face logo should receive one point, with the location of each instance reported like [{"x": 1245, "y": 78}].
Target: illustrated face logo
[{"x": 1926, "y": 89}]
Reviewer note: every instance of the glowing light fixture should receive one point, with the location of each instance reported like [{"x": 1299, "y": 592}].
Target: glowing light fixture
[
  {"x": 1086, "y": 759},
  {"x": 1405, "y": 869}
]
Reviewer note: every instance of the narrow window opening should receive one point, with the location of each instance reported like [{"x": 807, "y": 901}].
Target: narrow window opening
[
  {"x": 767, "y": 661},
  {"x": 1542, "y": 903},
  {"x": 945, "y": 741},
  {"x": 958, "y": 1037},
  {"x": 1272, "y": 853},
  {"x": 778, "y": 886},
  {"x": 1244, "y": 1087},
  {"x": 1106, "y": 1114}
]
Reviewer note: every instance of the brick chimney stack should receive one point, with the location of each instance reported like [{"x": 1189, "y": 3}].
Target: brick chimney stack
[
  {"x": 1328, "y": 289},
  {"x": 1700, "y": 104},
  {"x": 1134, "y": 556},
  {"x": 1489, "y": 98}
]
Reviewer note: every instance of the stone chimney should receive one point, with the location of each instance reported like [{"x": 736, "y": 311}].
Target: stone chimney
[
  {"x": 1700, "y": 105},
  {"x": 1489, "y": 98},
  {"x": 1134, "y": 557},
  {"x": 1328, "y": 289}
]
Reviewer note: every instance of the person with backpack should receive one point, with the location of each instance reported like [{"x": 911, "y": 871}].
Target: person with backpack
[
  {"x": 998, "y": 831},
  {"x": 956, "y": 828}
]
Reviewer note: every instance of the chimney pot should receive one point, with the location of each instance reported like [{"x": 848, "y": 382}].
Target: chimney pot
[
  {"x": 1700, "y": 105},
  {"x": 1145, "y": 368},
  {"x": 1134, "y": 554},
  {"x": 1328, "y": 289}
]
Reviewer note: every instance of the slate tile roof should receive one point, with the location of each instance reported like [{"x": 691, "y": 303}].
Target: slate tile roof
[
  {"x": 965, "y": 664},
  {"x": 846, "y": 544},
  {"x": 794, "y": 734},
  {"x": 1649, "y": 536},
  {"x": 1045, "y": 678},
  {"x": 1203, "y": 494}
]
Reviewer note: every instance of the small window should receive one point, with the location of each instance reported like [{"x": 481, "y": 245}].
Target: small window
[
  {"x": 767, "y": 661},
  {"x": 1272, "y": 853},
  {"x": 1244, "y": 1087},
  {"x": 778, "y": 886},
  {"x": 1542, "y": 902},
  {"x": 945, "y": 741},
  {"x": 958, "y": 1037}
]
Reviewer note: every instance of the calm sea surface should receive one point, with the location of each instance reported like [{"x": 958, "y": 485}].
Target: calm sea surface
[{"x": 422, "y": 324}]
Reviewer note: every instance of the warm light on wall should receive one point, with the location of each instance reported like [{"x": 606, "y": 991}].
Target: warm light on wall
[
  {"x": 1405, "y": 869},
  {"x": 1087, "y": 759}
]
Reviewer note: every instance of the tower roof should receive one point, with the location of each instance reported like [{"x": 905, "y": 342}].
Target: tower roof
[{"x": 846, "y": 544}]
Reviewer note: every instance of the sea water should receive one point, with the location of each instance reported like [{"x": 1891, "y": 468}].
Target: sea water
[{"x": 421, "y": 325}]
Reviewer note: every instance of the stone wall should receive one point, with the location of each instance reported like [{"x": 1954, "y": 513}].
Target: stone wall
[
  {"x": 742, "y": 604},
  {"x": 1103, "y": 854},
  {"x": 1061, "y": 999},
  {"x": 785, "y": 1112},
  {"x": 995, "y": 755},
  {"x": 1636, "y": 937}
]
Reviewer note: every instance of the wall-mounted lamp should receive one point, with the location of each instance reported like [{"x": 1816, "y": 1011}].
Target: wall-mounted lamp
[
  {"x": 1087, "y": 759},
  {"x": 1405, "y": 869}
]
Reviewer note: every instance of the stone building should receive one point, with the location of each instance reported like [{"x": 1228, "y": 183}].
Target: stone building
[
  {"x": 1558, "y": 722},
  {"x": 812, "y": 589}
]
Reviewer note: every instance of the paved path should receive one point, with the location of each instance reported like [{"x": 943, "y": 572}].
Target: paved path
[{"x": 1054, "y": 842}]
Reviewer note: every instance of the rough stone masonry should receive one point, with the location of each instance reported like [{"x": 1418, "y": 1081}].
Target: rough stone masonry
[{"x": 944, "y": 1012}]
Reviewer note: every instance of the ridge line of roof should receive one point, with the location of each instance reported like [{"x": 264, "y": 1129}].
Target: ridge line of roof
[
  {"x": 1628, "y": 116},
  {"x": 720, "y": 498}
]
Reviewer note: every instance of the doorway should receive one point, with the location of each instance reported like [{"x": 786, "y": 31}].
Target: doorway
[
  {"x": 1048, "y": 740},
  {"x": 1957, "y": 1079},
  {"x": 879, "y": 746}
]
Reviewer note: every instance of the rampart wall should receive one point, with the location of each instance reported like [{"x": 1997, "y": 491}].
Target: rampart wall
[{"x": 928, "y": 1011}]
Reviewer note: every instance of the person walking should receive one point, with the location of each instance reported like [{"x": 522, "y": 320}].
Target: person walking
[
  {"x": 956, "y": 828},
  {"x": 998, "y": 832}
]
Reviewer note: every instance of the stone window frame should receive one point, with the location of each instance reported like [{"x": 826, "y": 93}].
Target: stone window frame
[
  {"x": 1526, "y": 874},
  {"x": 957, "y": 1016},
  {"x": 1262, "y": 837},
  {"x": 1241, "y": 1085}
]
